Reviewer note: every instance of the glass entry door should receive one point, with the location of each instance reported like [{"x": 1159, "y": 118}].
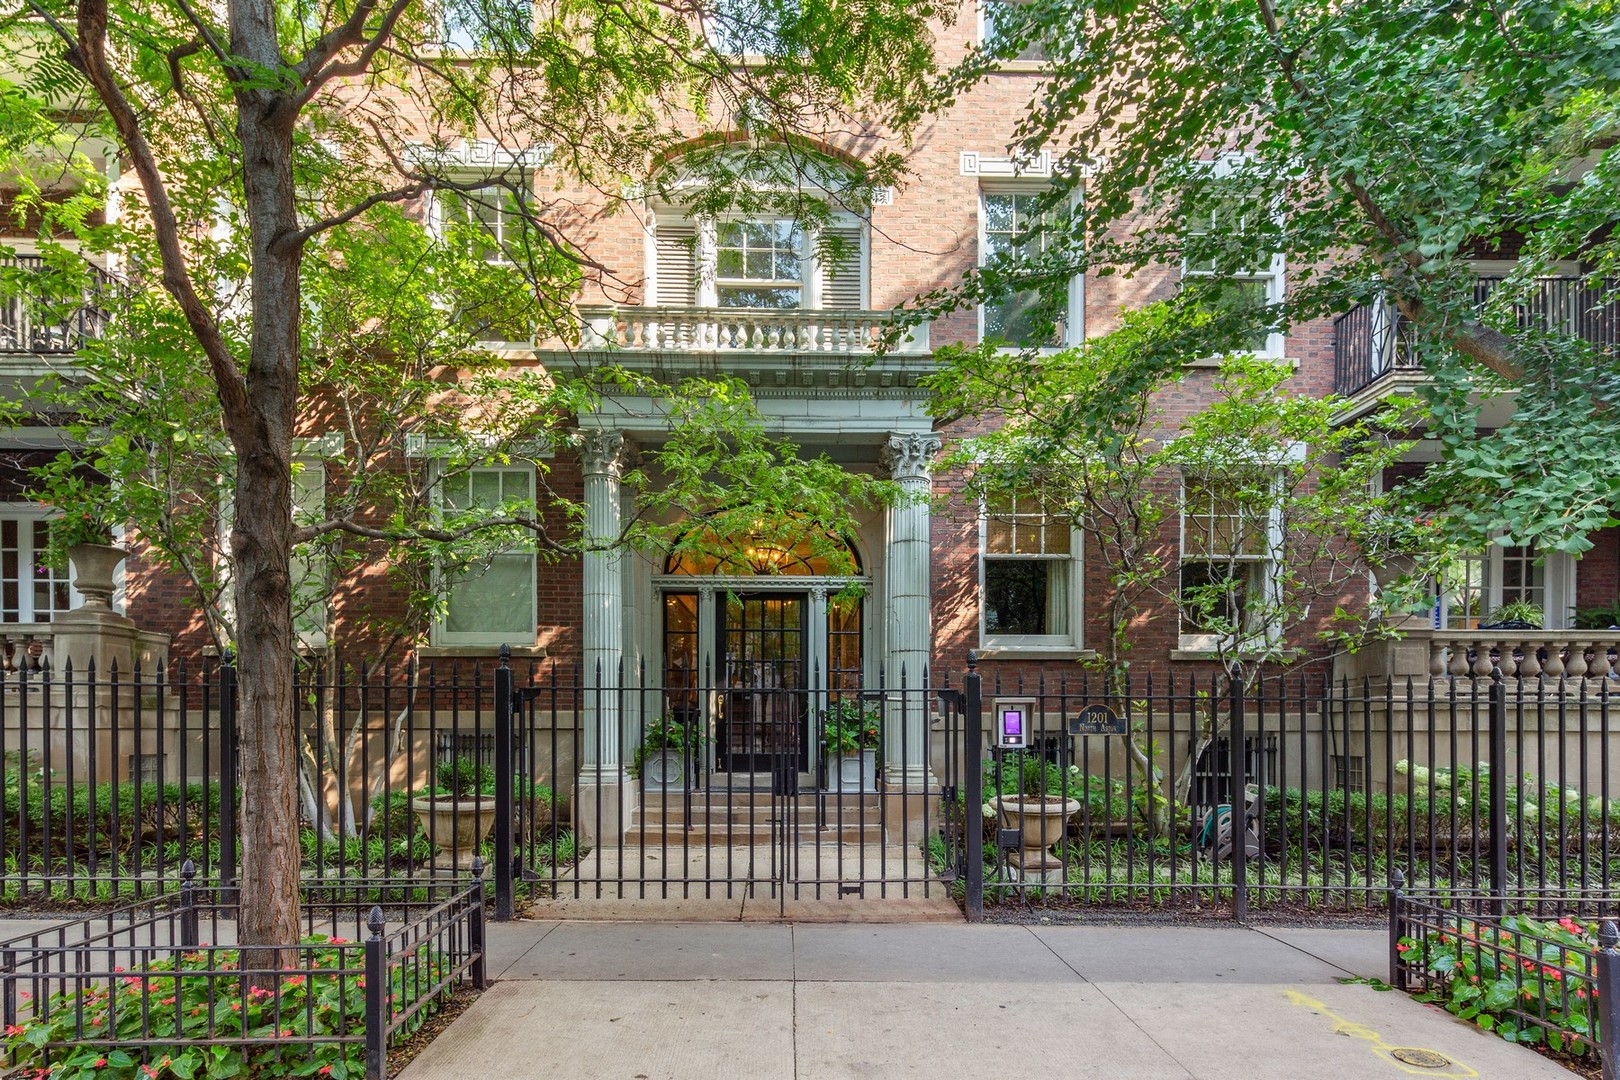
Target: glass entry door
[{"x": 763, "y": 721}]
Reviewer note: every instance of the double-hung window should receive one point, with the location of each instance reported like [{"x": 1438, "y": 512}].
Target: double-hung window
[
  {"x": 493, "y": 216},
  {"x": 997, "y": 18},
  {"x": 758, "y": 264},
  {"x": 492, "y": 602},
  {"x": 1228, "y": 541},
  {"x": 1016, "y": 230},
  {"x": 1244, "y": 296},
  {"x": 763, "y": 263},
  {"x": 1031, "y": 576}
]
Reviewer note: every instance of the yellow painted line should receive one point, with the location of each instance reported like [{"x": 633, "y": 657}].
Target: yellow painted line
[{"x": 1380, "y": 1048}]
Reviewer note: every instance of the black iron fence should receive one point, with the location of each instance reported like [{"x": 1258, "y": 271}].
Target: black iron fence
[
  {"x": 1132, "y": 791},
  {"x": 1292, "y": 789},
  {"x": 1535, "y": 967},
  {"x": 162, "y": 980}
]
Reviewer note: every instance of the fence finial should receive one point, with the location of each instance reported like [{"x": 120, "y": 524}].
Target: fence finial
[
  {"x": 973, "y": 660},
  {"x": 506, "y": 656},
  {"x": 188, "y": 871},
  {"x": 375, "y": 921},
  {"x": 1397, "y": 880},
  {"x": 478, "y": 867},
  {"x": 1608, "y": 935}
]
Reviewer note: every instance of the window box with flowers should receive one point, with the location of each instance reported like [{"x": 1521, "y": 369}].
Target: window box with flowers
[{"x": 850, "y": 735}]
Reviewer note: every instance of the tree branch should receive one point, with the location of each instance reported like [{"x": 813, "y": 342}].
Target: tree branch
[{"x": 89, "y": 56}]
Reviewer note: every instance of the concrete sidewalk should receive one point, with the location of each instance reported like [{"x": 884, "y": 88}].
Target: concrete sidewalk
[{"x": 672, "y": 1001}]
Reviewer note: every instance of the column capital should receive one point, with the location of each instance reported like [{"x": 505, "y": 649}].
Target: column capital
[
  {"x": 605, "y": 452},
  {"x": 910, "y": 455}
]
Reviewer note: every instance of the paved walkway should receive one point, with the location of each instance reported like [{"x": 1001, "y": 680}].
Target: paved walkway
[{"x": 672, "y": 1001}]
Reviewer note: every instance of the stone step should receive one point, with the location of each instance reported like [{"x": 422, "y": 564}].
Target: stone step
[
  {"x": 731, "y": 834},
  {"x": 823, "y": 809}
]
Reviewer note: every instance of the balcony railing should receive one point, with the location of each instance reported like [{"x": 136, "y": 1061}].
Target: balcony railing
[
  {"x": 744, "y": 330},
  {"x": 1523, "y": 654},
  {"x": 29, "y": 326},
  {"x": 1371, "y": 341}
]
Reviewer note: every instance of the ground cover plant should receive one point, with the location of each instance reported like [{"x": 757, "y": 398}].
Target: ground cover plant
[
  {"x": 1528, "y": 980},
  {"x": 221, "y": 1023}
]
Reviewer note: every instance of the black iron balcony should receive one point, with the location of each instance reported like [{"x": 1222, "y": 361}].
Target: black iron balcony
[
  {"x": 1372, "y": 342},
  {"x": 32, "y": 325}
]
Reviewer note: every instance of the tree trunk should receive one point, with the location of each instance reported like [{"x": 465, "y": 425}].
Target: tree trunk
[{"x": 261, "y": 540}]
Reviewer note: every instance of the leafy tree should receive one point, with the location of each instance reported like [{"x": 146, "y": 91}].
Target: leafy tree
[
  {"x": 265, "y": 137},
  {"x": 1278, "y": 522},
  {"x": 1377, "y": 146}
]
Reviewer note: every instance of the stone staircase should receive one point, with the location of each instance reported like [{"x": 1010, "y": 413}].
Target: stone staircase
[{"x": 738, "y": 818}]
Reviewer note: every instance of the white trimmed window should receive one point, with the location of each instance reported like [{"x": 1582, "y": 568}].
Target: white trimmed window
[
  {"x": 493, "y": 603},
  {"x": 1013, "y": 227},
  {"x": 764, "y": 264},
  {"x": 1477, "y": 584},
  {"x": 1227, "y": 569},
  {"x": 993, "y": 15},
  {"x": 1030, "y": 581},
  {"x": 494, "y": 213},
  {"x": 30, "y": 591},
  {"x": 1249, "y": 291},
  {"x": 309, "y": 577}
]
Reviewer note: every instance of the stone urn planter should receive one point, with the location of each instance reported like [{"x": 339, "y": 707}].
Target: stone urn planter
[
  {"x": 852, "y": 773},
  {"x": 93, "y": 568},
  {"x": 456, "y": 826},
  {"x": 665, "y": 770},
  {"x": 1041, "y": 820}
]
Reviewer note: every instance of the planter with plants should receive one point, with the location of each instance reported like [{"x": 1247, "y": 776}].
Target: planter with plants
[
  {"x": 667, "y": 759},
  {"x": 82, "y": 536},
  {"x": 1035, "y": 800},
  {"x": 459, "y": 813},
  {"x": 849, "y": 740},
  {"x": 1515, "y": 615}
]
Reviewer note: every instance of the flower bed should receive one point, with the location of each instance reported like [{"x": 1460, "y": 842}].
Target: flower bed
[
  {"x": 136, "y": 994},
  {"x": 1530, "y": 978}
]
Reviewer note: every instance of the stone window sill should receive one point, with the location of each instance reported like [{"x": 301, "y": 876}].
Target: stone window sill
[{"x": 1034, "y": 653}]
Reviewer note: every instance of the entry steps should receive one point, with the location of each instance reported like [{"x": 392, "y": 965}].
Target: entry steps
[{"x": 722, "y": 817}]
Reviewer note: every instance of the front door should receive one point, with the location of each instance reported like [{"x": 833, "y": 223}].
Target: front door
[{"x": 763, "y": 722}]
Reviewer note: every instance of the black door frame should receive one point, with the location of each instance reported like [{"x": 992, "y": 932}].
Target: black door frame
[{"x": 788, "y": 736}]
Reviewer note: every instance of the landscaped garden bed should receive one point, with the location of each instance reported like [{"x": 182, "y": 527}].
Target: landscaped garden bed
[
  {"x": 160, "y": 988},
  {"x": 1533, "y": 968}
]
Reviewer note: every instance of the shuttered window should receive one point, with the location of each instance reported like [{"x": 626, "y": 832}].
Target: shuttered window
[
  {"x": 841, "y": 271},
  {"x": 687, "y": 259},
  {"x": 677, "y": 265}
]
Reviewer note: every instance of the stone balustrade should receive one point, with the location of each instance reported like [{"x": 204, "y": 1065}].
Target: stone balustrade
[
  {"x": 1524, "y": 654},
  {"x": 25, "y": 647},
  {"x": 739, "y": 330}
]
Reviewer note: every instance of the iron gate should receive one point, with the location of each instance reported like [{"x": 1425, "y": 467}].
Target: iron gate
[{"x": 666, "y": 814}]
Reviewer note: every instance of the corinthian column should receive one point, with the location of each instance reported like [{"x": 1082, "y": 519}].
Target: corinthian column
[
  {"x": 907, "y": 609},
  {"x": 603, "y": 808}
]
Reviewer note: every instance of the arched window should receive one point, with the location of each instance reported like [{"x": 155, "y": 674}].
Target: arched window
[{"x": 704, "y": 552}]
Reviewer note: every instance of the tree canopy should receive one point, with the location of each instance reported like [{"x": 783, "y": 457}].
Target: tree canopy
[{"x": 1378, "y": 147}]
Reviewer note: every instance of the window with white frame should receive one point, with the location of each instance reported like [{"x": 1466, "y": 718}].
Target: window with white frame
[
  {"x": 995, "y": 19},
  {"x": 758, "y": 264},
  {"x": 762, "y": 263},
  {"x": 309, "y": 570},
  {"x": 1226, "y": 571},
  {"x": 1029, "y": 558},
  {"x": 492, "y": 603},
  {"x": 1015, "y": 228},
  {"x": 1244, "y": 295},
  {"x": 1476, "y": 585},
  {"x": 748, "y": 28},
  {"x": 492, "y": 215},
  {"x": 30, "y": 591}
]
